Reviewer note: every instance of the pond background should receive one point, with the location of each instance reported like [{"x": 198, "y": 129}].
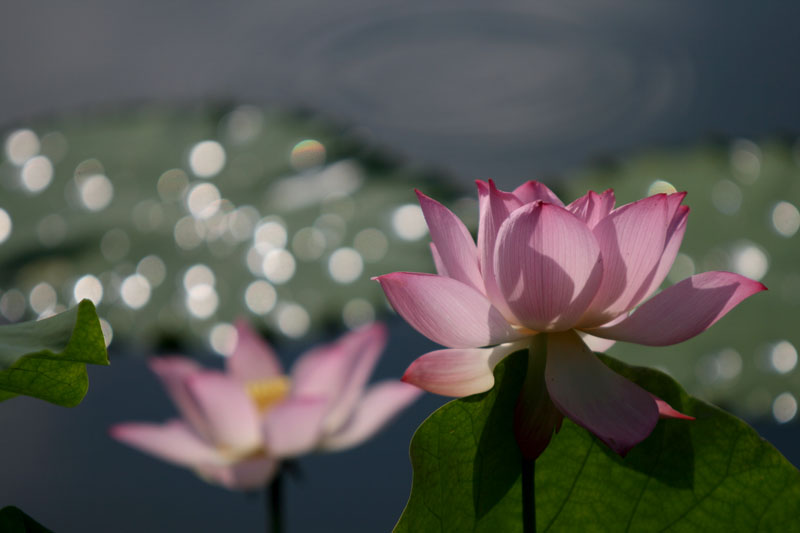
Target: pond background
[{"x": 512, "y": 91}]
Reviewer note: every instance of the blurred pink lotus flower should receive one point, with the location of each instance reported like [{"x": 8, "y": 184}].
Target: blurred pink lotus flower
[
  {"x": 574, "y": 272},
  {"x": 236, "y": 426}
]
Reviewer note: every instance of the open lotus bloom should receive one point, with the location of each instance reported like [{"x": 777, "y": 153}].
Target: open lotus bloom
[
  {"x": 236, "y": 426},
  {"x": 582, "y": 274}
]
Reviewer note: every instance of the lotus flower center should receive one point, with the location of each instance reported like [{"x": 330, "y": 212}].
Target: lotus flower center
[
  {"x": 524, "y": 330},
  {"x": 265, "y": 393}
]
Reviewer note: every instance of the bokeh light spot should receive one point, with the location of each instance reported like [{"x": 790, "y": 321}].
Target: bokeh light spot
[
  {"x": 726, "y": 197},
  {"x": 306, "y": 154},
  {"x": 88, "y": 287},
  {"x": 223, "y": 338},
  {"x": 37, "y": 174},
  {"x": 206, "y": 159},
  {"x": 135, "y": 291},
  {"x": 260, "y": 297},
  {"x": 785, "y": 219},
  {"x": 278, "y": 266},
  {"x": 784, "y": 408},
  {"x": 153, "y": 268},
  {"x": 5, "y": 225},
  {"x": 12, "y": 305},
  {"x": 21, "y": 145},
  {"x": 293, "y": 320},
  {"x": 96, "y": 192},
  {"x": 203, "y": 200},
  {"x": 172, "y": 185},
  {"x": 661, "y": 186},
  {"x": 372, "y": 244},
  {"x": 43, "y": 298},
  {"x": 308, "y": 244},
  {"x": 783, "y": 357},
  {"x": 345, "y": 265},
  {"x": 749, "y": 260},
  {"x": 408, "y": 222}
]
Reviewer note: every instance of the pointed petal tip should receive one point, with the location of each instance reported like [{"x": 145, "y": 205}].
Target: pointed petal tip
[
  {"x": 665, "y": 410},
  {"x": 683, "y": 310},
  {"x": 682, "y": 194},
  {"x": 116, "y": 430}
]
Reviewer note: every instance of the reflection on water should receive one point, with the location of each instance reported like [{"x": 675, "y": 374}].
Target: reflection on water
[
  {"x": 283, "y": 217},
  {"x": 535, "y": 70}
]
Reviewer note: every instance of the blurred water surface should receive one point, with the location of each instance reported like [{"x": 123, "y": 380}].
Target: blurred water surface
[{"x": 511, "y": 90}]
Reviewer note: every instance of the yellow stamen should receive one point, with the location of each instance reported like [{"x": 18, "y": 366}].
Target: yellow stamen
[
  {"x": 265, "y": 393},
  {"x": 524, "y": 330}
]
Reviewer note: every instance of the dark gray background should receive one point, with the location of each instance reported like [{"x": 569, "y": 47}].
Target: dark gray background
[{"x": 511, "y": 90}]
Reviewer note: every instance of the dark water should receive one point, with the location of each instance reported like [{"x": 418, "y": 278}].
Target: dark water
[
  {"x": 512, "y": 91},
  {"x": 509, "y": 90}
]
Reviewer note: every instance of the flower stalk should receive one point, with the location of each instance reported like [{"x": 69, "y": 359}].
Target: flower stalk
[
  {"x": 535, "y": 416},
  {"x": 274, "y": 503},
  {"x": 528, "y": 495}
]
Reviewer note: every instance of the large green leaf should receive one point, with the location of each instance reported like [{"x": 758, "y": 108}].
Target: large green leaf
[
  {"x": 47, "y": 358},
  {"x": 13, "y": 520},
  {"x": 711, "y": 474}
]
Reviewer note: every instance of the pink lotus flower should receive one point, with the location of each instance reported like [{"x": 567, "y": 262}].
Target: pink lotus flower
[
  {"x": 574, "y": 272},
  {"x": 236, "y": 426}
]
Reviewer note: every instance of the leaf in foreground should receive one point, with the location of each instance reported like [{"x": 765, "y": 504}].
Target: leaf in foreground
[
  {"x": 711, "y": 474},
  {"x": 13, "y": 520},
  {"x": 47, "y": 358}
]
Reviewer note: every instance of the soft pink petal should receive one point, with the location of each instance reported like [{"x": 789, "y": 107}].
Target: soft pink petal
[
  {"x": 445, "y": 310},
  {"x": 674, "y": 238},
  {"x": 682, "y": 311},
  {"x": 294, "y": 427},
  {"x": 327, "y": 370},
  {"x": 339, "y": 371},
  {"x": 548, "y": 266},
  {"x": 665, "y": 410},
  {"x": 532, "y": 191},
  {"x": 632, "y": 240},
  {"x": 441, "y": 269},
  {"x": 454, "y": 244},
  {"x": 252, "y": 359},
  {"x": 596, "y": 344},
  {"x": 592, "y": 207},
  {"x": 617, "y": 411},
  {"x": 248, "y": 474},
  {"x": 495, "y": 207},
  {"x": 229, "y": 412},
  {"x": 173, "y": 372},
  {"x": 173, "y": 441},
  {"x": 379, "y": 405},
  {"x": 487, "y": 190},
  {"x": 460, "y": 371}
]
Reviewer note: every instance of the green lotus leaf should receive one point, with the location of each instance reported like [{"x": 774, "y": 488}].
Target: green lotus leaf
[
  {"x": 47, "y": 358},
  {"x": 711, "y": 474}
]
